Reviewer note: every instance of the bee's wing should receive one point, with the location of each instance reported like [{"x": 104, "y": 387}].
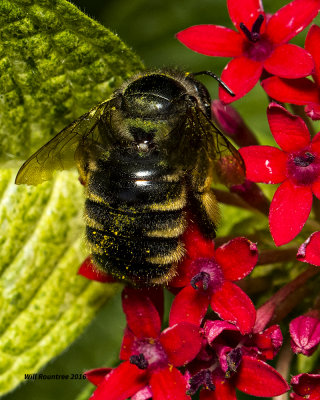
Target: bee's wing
[
  {"x": 227, "y": 165},
  {"x": 59, "y": 152}
]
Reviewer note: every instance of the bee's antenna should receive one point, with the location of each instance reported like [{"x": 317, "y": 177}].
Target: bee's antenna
[{"x": 216, "y": 77}]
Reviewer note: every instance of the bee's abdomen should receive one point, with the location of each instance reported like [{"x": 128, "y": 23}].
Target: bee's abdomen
[{"x": 135, "y": 217}]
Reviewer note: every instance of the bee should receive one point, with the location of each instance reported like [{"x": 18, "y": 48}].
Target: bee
[{"x": 147, "y": 157}]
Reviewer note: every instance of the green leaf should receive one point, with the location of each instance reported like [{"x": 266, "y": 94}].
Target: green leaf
[
  {"x": 55, "y": 64},
  {"x": 44, "y": 304}
]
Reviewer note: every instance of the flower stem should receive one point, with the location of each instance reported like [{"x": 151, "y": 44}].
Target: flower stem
[
  {"x": 230, "y": 199},
  {"x": 277, "y": 255},
  {"x": 283, "y": 366},
  {"x": 242, "y": 196}
]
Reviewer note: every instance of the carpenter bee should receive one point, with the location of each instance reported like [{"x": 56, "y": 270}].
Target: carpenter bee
[{"x": 147, "y": 157}]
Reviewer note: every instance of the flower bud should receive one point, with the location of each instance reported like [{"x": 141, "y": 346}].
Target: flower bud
[
  {"x": 232, "y": 124},
  {"x": 305, "y": 334}
]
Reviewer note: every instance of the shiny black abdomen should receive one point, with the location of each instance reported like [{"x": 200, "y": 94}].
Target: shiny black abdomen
[{"x": 135, "y": 216}]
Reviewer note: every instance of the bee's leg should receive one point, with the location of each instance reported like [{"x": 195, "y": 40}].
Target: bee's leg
[
  {"x": 85, "y": 161},
  {"x": 205, "y": 209},
  {"x": 82, "y": 175},
  {"x": 204, "y": 205}
]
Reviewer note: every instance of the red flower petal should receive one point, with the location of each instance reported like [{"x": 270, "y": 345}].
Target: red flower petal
[
  {"x": 305, "y": 384},
  {"x": 143, "y": 394},
  {"x": 142, "y": 316},
  {"x": 168, "y": 384},
  {"x": 184, "y": 274},
  {"x": 315, "y": 395},
  {"x": 312, "y": 46},
  {"x": 265, "y": 164},
  {"x": 212, "y": 329},
  {"x": 121, "y": 383},
  {"x": 96, "y": 376},
  {"x": 264, "y": 315},
  {"x": 315, "y": 143},
  {"x": 181, "y": 342},
  {"x": 294, "y": 396},
  {"x": 291, "y": 19},
  {"x": 246, "y": 11},
  {"x": 156, "y": 295},
  {"x": 289, "y": 210},
  {"x": 196, "y": 245},
  {"x": 189, "y": 305},
  {"x": 233, "y": 305},
  {"x": 316, "y": 188},
  {"x": 269, "y": 341},
  {"x": 240, "y": 75},
  {"x": 309, "y": 251},
  {"x": 289, "y": 61},
  {"x": 90, "y": 271},
  {"x": 212, "y": 40},
  {"x": 127, "y": 344},
  {"x": 224, "y": 390},
  {"x": 296, "y": 91},
  {"x": 289, "y": 131},
  {"x": 237, "y": 258},
  {"x": 257, "y": 378}
]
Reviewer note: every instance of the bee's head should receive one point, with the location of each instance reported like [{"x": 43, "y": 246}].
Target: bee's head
[
  {"x": 156, "y": 106},
  {"x": 153, "y": 96}
]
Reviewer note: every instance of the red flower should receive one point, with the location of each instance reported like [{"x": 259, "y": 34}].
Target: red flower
[
  {"x": 306, "y": 386},
  {"x": 300, "y": 91},
  {"x": 150, "y": 356},
  {"x": 261, "y": 42},
  {"x": 207, "y": 276},
  {"x": 296, "y": 167},
  {"x": 305, "y": 334},
  {"x": 230, "y": 360},
  {"x": 309, "y": 251}
]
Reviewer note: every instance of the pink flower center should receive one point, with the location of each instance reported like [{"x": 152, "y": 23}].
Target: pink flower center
[
  {"x": 303, "y": 167},
  {"x": 210, "y": 274},
  {"x": 149, "y": 354},
  {"x": 258, "y": 51},
  {"x": 258, "y": 47}
]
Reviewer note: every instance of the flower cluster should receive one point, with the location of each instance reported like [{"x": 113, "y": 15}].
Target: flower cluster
[
  {"x": 214, "y": 354},
  {"x": 296, "y": 166},
  {"x": 259, "y": 43},
  {"x": 224, "y": 324},
  {"x": 260, "y": 50},
  {"x": 214, "y": 357}
]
